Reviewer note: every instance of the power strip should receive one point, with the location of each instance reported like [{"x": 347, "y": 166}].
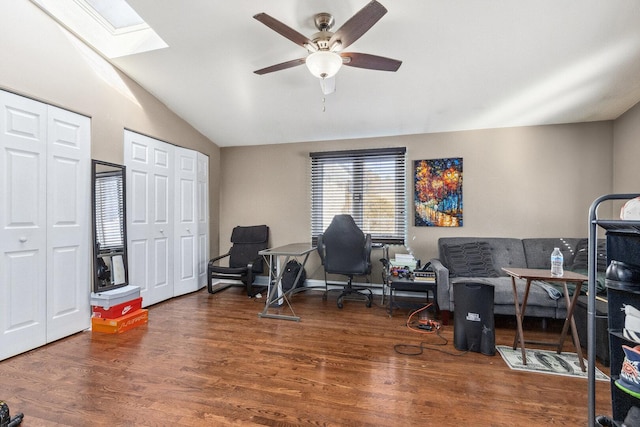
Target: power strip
[{"x": 429, "y": 325}]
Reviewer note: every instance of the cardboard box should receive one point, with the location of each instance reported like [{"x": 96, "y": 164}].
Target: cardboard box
[
  {"x": 117, "y": 310},
  {"x": 120, "y": 324}
]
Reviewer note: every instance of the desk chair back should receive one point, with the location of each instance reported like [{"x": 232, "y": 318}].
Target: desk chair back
[{"x": 345, "y": 249}]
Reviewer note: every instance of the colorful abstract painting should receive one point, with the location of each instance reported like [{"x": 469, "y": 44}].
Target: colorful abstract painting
[{"x": 438, "y": 192}]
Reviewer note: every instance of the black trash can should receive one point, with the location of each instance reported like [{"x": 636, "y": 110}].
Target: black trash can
[{"x": 473, "y": 327}]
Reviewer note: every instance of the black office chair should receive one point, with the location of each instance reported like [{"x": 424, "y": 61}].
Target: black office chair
[
  {"x": 344, "y": 249},
  {"x": 244, "y": 261}
]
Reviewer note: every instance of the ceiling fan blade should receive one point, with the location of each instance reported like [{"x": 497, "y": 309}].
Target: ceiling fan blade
[
  {"x": 328, "y": 85},
  {"x": 282, "y": 66},
  {"x": 283, "y": 29},
  {"x": 371, "y": 62},
  {"x": 358, "y": 24}
]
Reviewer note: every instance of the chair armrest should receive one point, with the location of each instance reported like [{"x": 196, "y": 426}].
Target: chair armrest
[
  {"x": 213, "y": 260},
  {"x": 443, "y": 283},
  {"x": 250, "y": 278}
]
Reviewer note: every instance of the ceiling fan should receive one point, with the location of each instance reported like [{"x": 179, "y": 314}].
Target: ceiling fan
[{"x": 325, "y": 56}]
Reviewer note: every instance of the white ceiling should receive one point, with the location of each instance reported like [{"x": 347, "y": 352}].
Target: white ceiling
[{"x": 467, "y": 64}]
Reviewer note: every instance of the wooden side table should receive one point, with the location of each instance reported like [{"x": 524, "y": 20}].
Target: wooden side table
[{"x": 531, "y": 274}]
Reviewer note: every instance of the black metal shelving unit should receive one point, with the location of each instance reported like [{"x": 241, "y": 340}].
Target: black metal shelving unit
[{"x": 623, "y": 244}]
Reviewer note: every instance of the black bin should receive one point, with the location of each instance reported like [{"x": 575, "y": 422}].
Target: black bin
[{"x": 473, "y": 327}]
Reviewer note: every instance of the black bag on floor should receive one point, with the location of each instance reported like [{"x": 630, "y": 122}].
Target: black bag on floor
[{"x": 290, "y": 273}]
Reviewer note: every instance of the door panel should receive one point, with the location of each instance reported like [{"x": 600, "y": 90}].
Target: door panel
[
  {"x": 161, "y": 253},
  {"x": 149, "y": 223},
  {"x": 68, "y": 223},
  {"x": 162, "y": 227},
  {"x": 138, "y": 226},
  {"x": 137, "y": 162},
  {"x": 202, "y": 218},
  {"x": 138, "y": 253},
  {"x": 22, "y": 224},
  {"x": 185, "y": 277}
]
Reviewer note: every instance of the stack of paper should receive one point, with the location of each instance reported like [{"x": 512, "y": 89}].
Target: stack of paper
[{"x": 405, "y": 258}]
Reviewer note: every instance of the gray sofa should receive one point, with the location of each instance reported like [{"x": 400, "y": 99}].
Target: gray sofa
[{"x": 480, "y": 259}]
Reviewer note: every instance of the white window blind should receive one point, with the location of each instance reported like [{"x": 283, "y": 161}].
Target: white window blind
[
  {"x": 369, "y": 185},
  {"x": 109, "y": 211}
]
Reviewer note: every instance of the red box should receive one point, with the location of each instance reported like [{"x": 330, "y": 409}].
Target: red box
[
  {"x": 117, "y": 310},
  {"x": 121, "y": 324}
]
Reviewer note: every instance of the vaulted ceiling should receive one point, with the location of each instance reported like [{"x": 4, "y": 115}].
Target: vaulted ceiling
[{"x": 467, "y": 64}]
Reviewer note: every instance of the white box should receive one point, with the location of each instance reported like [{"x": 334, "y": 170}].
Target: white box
[
  {"x": 113, "y": 297},
  {"x": 399, "y": 263},
  {"x": 404, "y": 258}
]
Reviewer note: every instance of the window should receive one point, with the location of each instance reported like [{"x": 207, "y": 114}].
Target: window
[
  {"x": 369, "y": 185},
  {"x": 109, "y": 211}
]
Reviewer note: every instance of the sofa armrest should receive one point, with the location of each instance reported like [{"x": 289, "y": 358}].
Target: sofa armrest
[{"x": 443, "y": 283}]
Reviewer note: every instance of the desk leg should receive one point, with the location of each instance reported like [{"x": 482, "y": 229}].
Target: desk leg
[
  {"x": 569, "y": 322},
  {"x": 275, "y": 296},
  {"x": 519, "y": 317},
  {"x": 271, "y": 285}
]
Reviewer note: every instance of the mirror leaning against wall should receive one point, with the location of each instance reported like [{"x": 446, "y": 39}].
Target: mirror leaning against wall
[{"x": 109, "y": 226}]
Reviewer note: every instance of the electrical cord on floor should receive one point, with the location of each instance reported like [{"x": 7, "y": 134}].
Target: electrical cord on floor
[{"x": 424, "y": 326}]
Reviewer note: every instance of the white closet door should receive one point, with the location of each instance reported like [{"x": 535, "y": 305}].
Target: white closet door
[
  {"x": 150, "y": 177},
  {"x": 186, "y": 225},
  {"x": 203, "y": 218},
  {"x": 68, "y": 223},
  {"x": 23, "y": 129}
]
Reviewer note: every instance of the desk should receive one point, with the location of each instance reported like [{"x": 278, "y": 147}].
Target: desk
[
  {"x": 278, "y": 258},
  {"x": 529, "y": 275},
  {"x": 410, "y": 285}
]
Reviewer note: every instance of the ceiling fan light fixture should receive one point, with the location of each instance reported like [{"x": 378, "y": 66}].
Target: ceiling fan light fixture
[{"x": 324, "y": 64}]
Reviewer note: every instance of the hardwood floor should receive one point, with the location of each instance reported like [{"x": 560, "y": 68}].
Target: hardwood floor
[{"x": 210, "y": 360}]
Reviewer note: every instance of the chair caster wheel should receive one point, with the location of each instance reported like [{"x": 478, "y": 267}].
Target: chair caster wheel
[
  {"x": 340, "y": 305},
  {"x": 369, "y": 304}
]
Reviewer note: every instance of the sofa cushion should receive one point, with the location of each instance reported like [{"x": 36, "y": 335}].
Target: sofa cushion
[
  {"x": 538, "y": 296},
  {"x": 538, "y": 251},
  {"x": 505, "y": 251},
  {"x": 581, "y": 258},
  {"x": 471, "y": 259}
]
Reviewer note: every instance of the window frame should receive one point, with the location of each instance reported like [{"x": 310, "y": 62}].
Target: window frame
[{"x": 358, "y": 162}]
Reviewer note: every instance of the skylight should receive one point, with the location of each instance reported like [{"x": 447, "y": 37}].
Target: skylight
[
  {"x": 112, "y": 27},
  {"x": 117, "y": 12}
]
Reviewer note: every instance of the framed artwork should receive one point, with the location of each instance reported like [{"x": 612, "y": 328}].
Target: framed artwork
[{"x": 438, "y": 192}]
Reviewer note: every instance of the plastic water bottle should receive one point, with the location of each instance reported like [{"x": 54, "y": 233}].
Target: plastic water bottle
[{"x": 557, "y": 260}]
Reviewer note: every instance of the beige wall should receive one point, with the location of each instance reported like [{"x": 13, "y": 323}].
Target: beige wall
[
  {"x": 43, "y": 61},
  {"x": 522, "y": 182},
  {"x": 626, "y": 152}
]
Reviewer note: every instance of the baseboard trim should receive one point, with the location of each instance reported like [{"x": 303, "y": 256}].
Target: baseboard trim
[{"x": 376, "y": 288}]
